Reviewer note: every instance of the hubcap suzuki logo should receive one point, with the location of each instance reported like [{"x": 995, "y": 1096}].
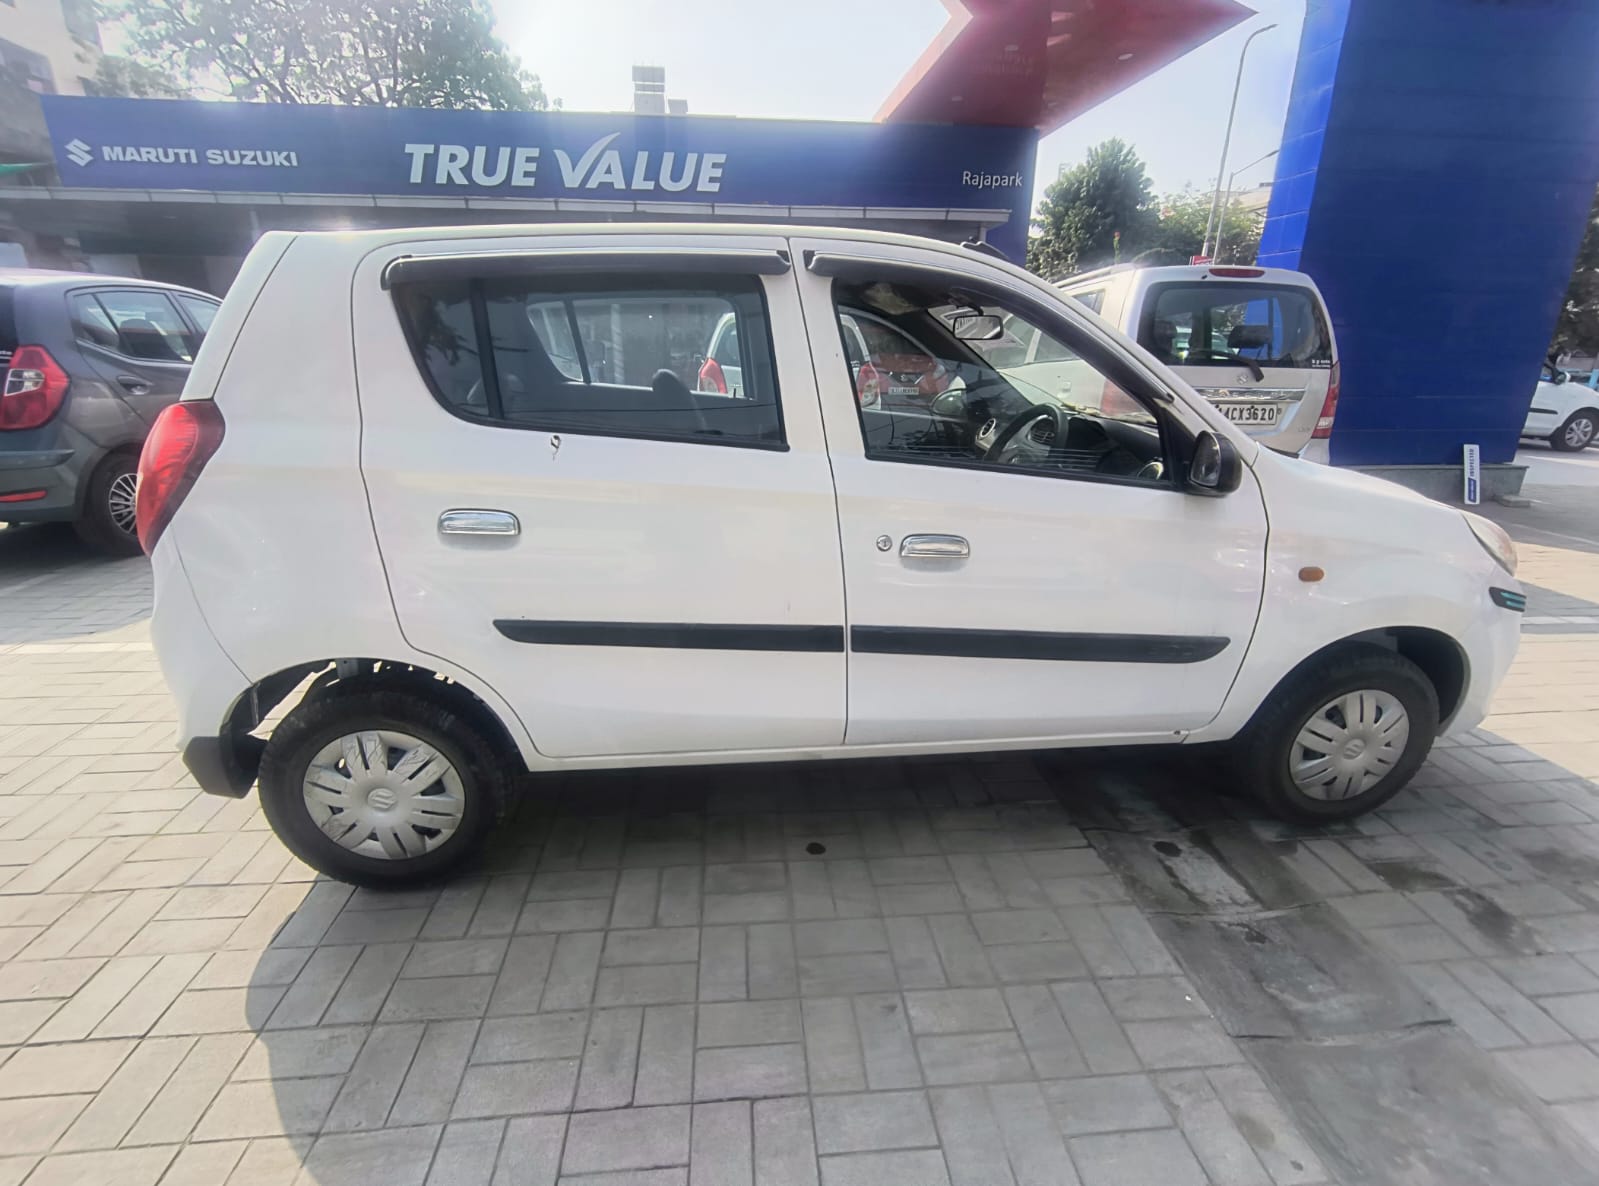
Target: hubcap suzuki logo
[
  {"x": 381, "y": 799},
  {"x": 1354, "y": 749},
  {"x": 79, "y": 153}
]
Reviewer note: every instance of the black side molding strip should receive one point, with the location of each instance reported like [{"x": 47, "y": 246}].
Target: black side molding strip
[
  {"x": 696, "y": 636},
  {"x": 1508, "y": 599},
  {"x": 1035, "y": 644}
]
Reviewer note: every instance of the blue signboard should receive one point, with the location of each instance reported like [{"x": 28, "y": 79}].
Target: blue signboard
[{"x": 280, "y": 148}]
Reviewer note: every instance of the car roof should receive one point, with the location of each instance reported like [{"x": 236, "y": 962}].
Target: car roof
[
  {"x": 47, "y": 278},
  {"x": 1179, "y": 272}
]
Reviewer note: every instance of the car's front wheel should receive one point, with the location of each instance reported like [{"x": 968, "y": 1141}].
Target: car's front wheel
[
  {"x": 1341, "y": 736},
  {"x": 380, "y": 788},
  {"x": 1577, "y": 433}
]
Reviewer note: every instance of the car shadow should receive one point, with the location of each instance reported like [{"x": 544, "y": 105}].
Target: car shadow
[{"x": 460, "y": 1025}]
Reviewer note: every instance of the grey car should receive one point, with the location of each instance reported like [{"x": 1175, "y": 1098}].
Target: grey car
[{"x": 88, "y": 362}]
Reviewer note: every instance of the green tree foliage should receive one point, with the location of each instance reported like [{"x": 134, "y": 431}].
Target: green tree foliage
[
  {"x": 391, "y": 53},
  {"x": 1110, "y": 192},
  {"x": 1577, "y": 331},
  {"x": 1180, "y": 230},
  {"x": 1087, "y": 207},
  {"x": 124, "y": 78}
]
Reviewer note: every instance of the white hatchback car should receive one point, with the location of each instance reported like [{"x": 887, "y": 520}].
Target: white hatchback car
[
  {"x": 484, "y": 551},
  {"x": 1563, "y": 413}
]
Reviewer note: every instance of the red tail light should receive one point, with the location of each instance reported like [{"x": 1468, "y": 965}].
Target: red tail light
[
  {"x": 711, "y": 377},
  {"x": 1329, "y": 406},
  {"x": 868, "y": 386},
  {"x": 1238, "y": 273},
  {"x": 183, "y": 439},
  {"x": 34, "y": 388}
]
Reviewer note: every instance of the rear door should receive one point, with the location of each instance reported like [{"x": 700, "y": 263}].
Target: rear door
[
  {"x": 637, "y": 567},
  {"x": 137, "y": 341},
  {"x": 1261, "y": 351}
]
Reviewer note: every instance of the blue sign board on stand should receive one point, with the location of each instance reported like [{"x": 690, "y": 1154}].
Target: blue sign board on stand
[{"x": 258, "y": 147}]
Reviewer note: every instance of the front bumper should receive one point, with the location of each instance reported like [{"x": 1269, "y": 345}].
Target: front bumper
[{"x": 1490, "y": 650}]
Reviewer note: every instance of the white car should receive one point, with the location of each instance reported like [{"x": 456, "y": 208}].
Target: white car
[
  {"x": 467, "y": 563},
  {"x": 1564, "y": 414},
  {"x": 1256, "y": 342}
]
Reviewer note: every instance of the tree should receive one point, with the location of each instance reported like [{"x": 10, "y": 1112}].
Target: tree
[
  {"x": 1088, "y": 207},
  {"x": 391, "y": 53},
  {"x": 1577, "y": 331},
  {"x": 1179, "y": 233},
  {"x": 124, "y": 78}
]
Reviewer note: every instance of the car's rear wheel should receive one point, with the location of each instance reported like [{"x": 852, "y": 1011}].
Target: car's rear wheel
[
  {"x": 1341, "y": 736},
  {"x": 380, "y": 788},
  {"x": 109, "y": 523},
  {"x": 1577, "y": 433}
]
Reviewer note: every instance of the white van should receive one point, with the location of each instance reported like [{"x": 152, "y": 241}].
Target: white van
[
  {"x": 1257, "y": 342},
  {"x": 554, "y": 554}
]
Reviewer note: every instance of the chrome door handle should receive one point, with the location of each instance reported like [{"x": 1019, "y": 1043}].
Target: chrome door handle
[
  {"x": 465, "y": 522},
  {"x": 934, "y": 547}
]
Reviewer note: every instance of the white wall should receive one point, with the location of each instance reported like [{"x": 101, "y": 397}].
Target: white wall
[{"x": 39, "y": 25}]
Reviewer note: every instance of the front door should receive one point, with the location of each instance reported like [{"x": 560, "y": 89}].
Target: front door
[
  {"x": 637, "y": 566},
  {"x": 1018, "y": 566}
]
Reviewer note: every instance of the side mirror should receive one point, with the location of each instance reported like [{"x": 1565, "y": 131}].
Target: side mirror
[
  {"x": 1215, "y": 468},
  {"x": 977, "y": 327},
  {"x": 1559, "y": 377}
]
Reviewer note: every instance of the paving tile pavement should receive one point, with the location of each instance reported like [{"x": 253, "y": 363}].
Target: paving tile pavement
[{"x": 887, "y": 972}]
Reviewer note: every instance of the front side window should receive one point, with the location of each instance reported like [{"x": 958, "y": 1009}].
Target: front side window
[
  {"x": 142, "y": 325},
  {"x": 612, "y": 355},
  {"x": 996, "y": 387},
  {"x": 1219, "y": 324}
]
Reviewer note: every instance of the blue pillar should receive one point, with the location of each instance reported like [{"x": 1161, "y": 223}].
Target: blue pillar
[{"x": 1438, "y": 164}]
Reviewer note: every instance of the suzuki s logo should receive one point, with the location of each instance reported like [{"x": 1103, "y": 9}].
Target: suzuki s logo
[{"x": 79, "y": 152}]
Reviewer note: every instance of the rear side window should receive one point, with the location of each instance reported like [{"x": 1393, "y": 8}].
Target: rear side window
[
  {"x": 1093, "y": 299},
  {"x": 613, "y": 355},
  {"x": 8, "y": 327},
  {"x": 1207, "y": 324},
  {"x": 142, "y": 325},
  {"x": 201, "y": 312}
]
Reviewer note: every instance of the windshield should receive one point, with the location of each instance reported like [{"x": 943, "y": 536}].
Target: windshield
[{"x": 1216, "y": 324}]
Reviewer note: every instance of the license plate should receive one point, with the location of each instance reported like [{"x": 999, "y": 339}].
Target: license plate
[
  {"x": 1254, "y": 415},
  {"x": 904, "y": 391}
]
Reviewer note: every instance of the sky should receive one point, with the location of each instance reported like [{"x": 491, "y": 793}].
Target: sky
[{"x": 839, "y": 59}]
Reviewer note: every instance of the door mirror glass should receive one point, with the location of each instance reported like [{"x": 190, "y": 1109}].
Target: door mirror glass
[
  {"x": 976, "y": 327},
  {"x": 1215, "y": 467}
]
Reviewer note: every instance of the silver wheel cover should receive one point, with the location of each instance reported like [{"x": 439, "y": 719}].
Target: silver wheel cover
[
  {"x": 1579, "y": 432},
  {"x": 122, "y": 502},
  {"x": 1349, "y": 745},
  {"x": 384, "y": 794}
]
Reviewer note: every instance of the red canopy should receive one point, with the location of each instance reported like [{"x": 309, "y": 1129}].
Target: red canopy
[{"x": 1039, "y": 63}]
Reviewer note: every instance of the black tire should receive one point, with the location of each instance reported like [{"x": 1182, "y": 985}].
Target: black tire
[
  {"x": 1264, "y": 750},
  {"x": 339, "y": 711},
  {"x": 101, "y": 526},
  {"x": 1577, "y": 433}
]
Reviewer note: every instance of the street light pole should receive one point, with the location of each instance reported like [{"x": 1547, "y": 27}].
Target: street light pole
[
  {"x": 1227, "y": 198},
  {"x": 1227, "y": 137}
]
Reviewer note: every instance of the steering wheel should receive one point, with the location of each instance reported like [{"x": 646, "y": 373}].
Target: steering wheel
[{"x": 998, "y": 451}]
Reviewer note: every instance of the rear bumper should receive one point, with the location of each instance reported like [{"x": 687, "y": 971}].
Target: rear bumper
[
  {"x": 52, "y": 471},
  {"x": 224, "y": 765}
]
